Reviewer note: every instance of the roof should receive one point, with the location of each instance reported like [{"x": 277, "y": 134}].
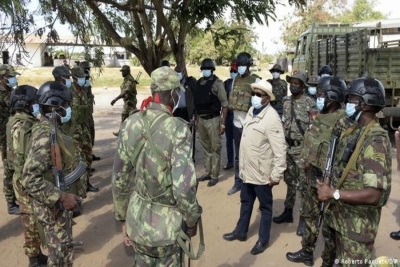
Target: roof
[{"x": 66, "y": 40}]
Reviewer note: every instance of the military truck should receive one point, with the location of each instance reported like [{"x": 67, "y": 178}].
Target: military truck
[{"x": 369, "y": 49}]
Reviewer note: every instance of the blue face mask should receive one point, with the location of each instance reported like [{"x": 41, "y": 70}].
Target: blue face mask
[
  {"x": 242, "y": 70},
  {"x": 35, "y": 110},
  {"x": 68, "y": 115},
  {"x": 320, "y": 103},
  {"x": 312, "y": 90},
  {"x": 68, "y": 83},
  {"x": 180, "y": 75},
  {"x": 81, "y": 81},
  {"x": 233, "y": 75},
  {"x": 351, "y": 111},
  {"x": 87, "y": 83},
  {"x": 12, "y": 81},
  {"x": 206, "y": 73},
  {"x": 256, "y": 102}
]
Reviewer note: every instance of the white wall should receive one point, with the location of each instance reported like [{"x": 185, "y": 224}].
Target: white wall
[{"x": 36, "y": 54}]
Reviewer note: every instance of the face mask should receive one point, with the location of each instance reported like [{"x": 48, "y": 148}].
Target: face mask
[
  {"x": 233, "y": 75},
  {"x": 87, "y": 83},
  {"x": 320, "y": 103},
  {"x": 35, "y": 110},
  {"x": 276, "y": 75},
  {"x": 295, "y": 90},
  {"x": 180, "y": 75},
  {"x": 352, "y": 112},
  {"x": 312, "y": 90},
  {"x": 325, "y": 75},
  {"x": 242, "y": 70},
  {"x": 68, "y": 83},
  {"x": 206, "y": 73},
  {"x": 68, "y": 115},
  {"x": 177, "y": 102},
  {"x": 81, "y": 81},
  {"x": 256, "y": 102},
  {"x": 11, "y": 82}
]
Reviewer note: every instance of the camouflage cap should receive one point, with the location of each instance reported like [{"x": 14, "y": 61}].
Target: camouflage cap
[
  {"x": 78, "y": 72},
  {"x": 60, "y": 71},
  {"x": 298, "y": 75},
  {"x": 84, "y": 65},
  {"x": 278, "y": 68},
  {"x": 125, "y": 67},
  {"x": 8, "y": 69},
  {"x": 164, "y": 79}
]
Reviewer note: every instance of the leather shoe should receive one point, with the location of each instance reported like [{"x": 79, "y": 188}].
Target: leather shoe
[
  {"x": 395, "y": 235},
  {"x": 204, "y": 178},
  {"x": 91, "y": 188},
  {"x": 258, "y": 248},
  {"x": 232, "y": 236},
  {"x": 94, "y": 157},
  {"x": 228, "y": 166},
  {"x": 212, "y": 182},
  {"x": 301, "y": 256},
  {"x": 233, "y": 190}
]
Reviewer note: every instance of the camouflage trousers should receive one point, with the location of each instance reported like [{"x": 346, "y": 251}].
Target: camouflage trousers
[
  {"x": 210, "y": 139},
  {"x": 294, "y": 176},
  {"x": 126, "y": 112},
  {"x": 351, "y": 252},
  {"x": 83, "y": 143},
  {"x": 142, "y": 256},
  {"x": 8, "y": 188},
  {"x": 91, "y": 128},
  {"x": 31, "y": 235},
  {"x": 54, "y": 222}
]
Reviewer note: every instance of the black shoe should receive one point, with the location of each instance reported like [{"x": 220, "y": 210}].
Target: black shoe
[
  {"x": 258, "y": 248},
  {"x": 233, "y": 190},
  {"x": 301, "y": 256},
  {"x": 285, "y": 217},
  {"x": 212, "y": 182},
  {"x": 94, "y": 158},
  {"x": 13, "y": 208},
  {"x": 42, "y": 259},
  {"x": 232, "y": 236},
  {"x": 204, "y": 178},
  {"x": 395, "y": 235},
  {"x": 91, "y": 188},
  {"x": 228, "y": 166},
  {"x": 301, "y": 227}
]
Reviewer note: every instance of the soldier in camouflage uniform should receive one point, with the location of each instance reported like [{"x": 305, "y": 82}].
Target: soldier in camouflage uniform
[
  {"x": 361, "y": 180},
  {"x": 62, "y": 75},
  {"x": 153, "y": 165},
  {"x": 88, "y": 89},
  {"x": 240, "y": 103},
  {"x": 298, "y": 112},
  {"x": 279, "y": 88},
  {"x": 37, "y": 176},
  {"x": 7, "y": 82},
  {"x": 332, "y": 119},
  {"x": 23, "y": 100},
  {"x": 209, "y": 98},
  {"x": 128, "y": 93},
  {"x": 313, "y": 81}
]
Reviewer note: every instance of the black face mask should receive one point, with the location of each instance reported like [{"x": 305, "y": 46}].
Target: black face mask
[{"x": 295, "y": 90}]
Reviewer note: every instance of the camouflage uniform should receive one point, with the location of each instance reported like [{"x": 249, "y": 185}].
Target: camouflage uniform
[
  {"x": 355, "y": 226},
  {"x": 279, "y": 89},
  {"x": 137, "y": 184},
  {"x": 130, "y": 100},
  {"x": 18, "y": 144},
  {"x": 38, "y": 181},
  {"x": 90, "y": 98}
]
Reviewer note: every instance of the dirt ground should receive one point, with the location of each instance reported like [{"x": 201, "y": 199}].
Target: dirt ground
[{"x": 101, "y": 233}]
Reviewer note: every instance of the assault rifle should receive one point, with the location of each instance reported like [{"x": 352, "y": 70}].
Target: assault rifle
[
  {"x": 61, "y": 181},
  {"x": 330, "y": 157},
  {"x": 138, "y": 77}
]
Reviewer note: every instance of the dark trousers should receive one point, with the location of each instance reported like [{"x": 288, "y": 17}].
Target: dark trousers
[
  {"x": 248, "y": 194},
  {"x": 182, "y": 113},
  {"x": 237, "y": 136},
  {"x": 229, "y": 138}
]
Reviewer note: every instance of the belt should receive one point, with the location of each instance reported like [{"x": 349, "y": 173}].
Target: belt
[{"x": 209, "y": 116}]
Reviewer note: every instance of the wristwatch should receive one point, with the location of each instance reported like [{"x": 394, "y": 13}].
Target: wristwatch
[{"x": 336, "y": 194}]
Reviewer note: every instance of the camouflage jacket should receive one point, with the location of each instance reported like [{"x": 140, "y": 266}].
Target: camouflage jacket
[
  {"x": 279, "y": 89},
  {"x": 172, "y": 138},
  {"x": 129, "y": 85},
  {"x": 372, "y": 169},
  {"x": 90, "y": 96},
  {"x": 5, "y": 112}
]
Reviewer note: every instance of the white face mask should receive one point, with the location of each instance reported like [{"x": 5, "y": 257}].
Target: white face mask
[
  {"x": 81, "y": 81},
  {"x": 35, "y": 110},
  {"x": 325, "y": 75},
  {"x": 242, "y": 70},
  {"x": 206, "y": 73},
  {"x": 276, "y": 75},
  {"x": 312, "y": 90},
  {"x": 352, "y": 112},
  {"x": 180, "y": 75},
  {"x": 12, "y": 82},
  {"x": 177, "y": 102},
  {"x": 68, "y": 83},
  {"x": 320, "y": 103},
  {"x": 256, "y": 102},
  {"x": 67, "y": 116}
]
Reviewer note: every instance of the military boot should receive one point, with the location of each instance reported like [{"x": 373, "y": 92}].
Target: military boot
[
  {"x": 42, "y": 258},
  {"x": 13, "y": 208},
  {"x": 301, "y": 227},
  {"x": 38, "y": 261},
  {"x": 301, "y": 256},
  {"x": 285, "y": 217}
]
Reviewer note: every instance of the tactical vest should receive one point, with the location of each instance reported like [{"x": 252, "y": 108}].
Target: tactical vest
[
  {"x": 316, "y": 140},
  {"x": 240, "y": 97},
  {"x": 205, "y": 101}
]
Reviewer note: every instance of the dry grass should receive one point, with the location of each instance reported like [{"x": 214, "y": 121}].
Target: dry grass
[{"x": 111, "y": 77}]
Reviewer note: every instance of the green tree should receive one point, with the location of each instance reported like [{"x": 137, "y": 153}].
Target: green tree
[
  {"x": 152, "y": 29},
  {"x": 362, "y": 10}
]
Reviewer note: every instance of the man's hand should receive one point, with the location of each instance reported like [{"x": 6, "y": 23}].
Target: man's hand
[
  {"x": 127, "y": 240},
  {"x": 271, "y": 182},
  {"x": 325, "y": 192},
  {"x": 69, "y": 201},
  {"x": 113, "y": 101}
]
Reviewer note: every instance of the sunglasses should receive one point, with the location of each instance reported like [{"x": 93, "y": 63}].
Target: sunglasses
[{"x": 258, "y": 94}]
